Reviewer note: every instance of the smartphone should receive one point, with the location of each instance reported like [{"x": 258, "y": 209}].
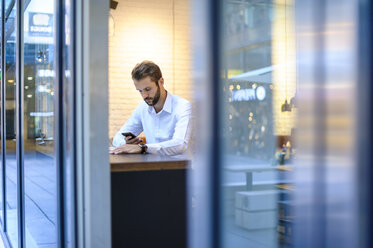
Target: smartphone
[{"x": 126, "y": 134}]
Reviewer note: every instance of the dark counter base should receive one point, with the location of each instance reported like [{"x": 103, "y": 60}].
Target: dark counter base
[{"x": 149, "y": 209}]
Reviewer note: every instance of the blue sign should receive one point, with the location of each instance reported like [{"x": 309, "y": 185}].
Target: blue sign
[
  {"x": 249, "y": 94},
  {"x": 40, "y": 24}
]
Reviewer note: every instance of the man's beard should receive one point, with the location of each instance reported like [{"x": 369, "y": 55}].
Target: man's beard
[{"x": 154, "y": 99}]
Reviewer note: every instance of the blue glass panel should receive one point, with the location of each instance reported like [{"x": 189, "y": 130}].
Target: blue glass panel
[
  {"x": 68, "y": 127},
  {"x": 256, "y": 134},
  {"x": 39, "y": 138},
  {"x": 11, "y": 181}
]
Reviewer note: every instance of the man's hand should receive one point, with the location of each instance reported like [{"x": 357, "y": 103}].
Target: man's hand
[
  {"x": 126, "y": 148},
  {"x": 135, "y": 140}
]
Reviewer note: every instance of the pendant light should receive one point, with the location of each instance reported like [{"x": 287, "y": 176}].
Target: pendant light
[
  {"x": 113, "y": 5},
  {"x": 286, "y": 107}
]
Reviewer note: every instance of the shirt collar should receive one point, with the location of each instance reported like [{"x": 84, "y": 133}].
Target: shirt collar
[
  {"x": 167, "y": 106},
  {"x": 168, "y": 103}
]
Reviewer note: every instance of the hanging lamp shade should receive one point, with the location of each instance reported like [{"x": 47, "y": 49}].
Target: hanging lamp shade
[{"x": 286, "y": 107}]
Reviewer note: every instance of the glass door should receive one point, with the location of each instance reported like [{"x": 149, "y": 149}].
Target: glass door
[
  {"x": 245, "y": 56},
  {"x": 40, "y": 179},
  {"x": 257, "y": 122},
  {"x": 11, "y": 172}
]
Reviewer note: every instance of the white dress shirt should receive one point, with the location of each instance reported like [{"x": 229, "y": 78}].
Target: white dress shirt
[{"x": 167, "y": 132}]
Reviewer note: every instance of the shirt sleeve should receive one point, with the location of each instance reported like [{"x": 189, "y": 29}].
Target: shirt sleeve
[
  {"x": 133, "y": 125},
  {"x": 179, "y": 142}
]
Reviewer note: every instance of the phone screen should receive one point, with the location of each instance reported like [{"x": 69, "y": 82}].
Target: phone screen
[{"x": 126, "y": 134}]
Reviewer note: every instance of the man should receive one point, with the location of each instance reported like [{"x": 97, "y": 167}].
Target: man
[{"x": 164, "y": 118}]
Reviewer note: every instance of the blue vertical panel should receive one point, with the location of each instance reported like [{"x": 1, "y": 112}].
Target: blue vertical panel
[
  {"x": 341, "y": 84},
  {"x": 254, "y": 199},
  {"x": 326, "y": 175},
  {"x": 40, "y": 177},
  {"x": 200, "y": 181},
  {"x": 11, "y": 180},
  {"x": 248, "y": 155},
  {"x": 68, "y": 134}
]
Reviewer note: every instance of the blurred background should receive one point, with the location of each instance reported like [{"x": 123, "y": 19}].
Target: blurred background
[{"x": 275, "y": 87}]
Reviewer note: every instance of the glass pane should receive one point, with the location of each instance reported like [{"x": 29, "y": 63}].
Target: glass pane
[
  {"x": 39, "y": 138},
  {"x": 68, "y": 127},
  {"x": 10, "y": 130},
  {"x": 9, "y": 4},
  {"x": 257, "y": 122}
]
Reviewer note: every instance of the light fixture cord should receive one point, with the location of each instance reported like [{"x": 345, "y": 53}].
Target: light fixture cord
[
  {"x": 112, "y": 17},
  {"x": 173, "y": 46},
  {"x": 286, "y": 55}
]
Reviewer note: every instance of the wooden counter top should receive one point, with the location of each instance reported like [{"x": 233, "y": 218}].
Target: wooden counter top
[{"x": 146, "y": 162}]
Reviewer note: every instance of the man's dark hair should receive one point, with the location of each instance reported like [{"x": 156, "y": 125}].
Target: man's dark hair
[{"x": 145, "y": 69}]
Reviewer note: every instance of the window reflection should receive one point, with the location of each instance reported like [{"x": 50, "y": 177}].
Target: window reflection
[
  {"x": 11, "y": 181},
  {"x": 39, "y": 158},
  {"x": 258, "y": 78},
  {"x": 9, "y": 4},
  {"x": 68, "y": 127}
]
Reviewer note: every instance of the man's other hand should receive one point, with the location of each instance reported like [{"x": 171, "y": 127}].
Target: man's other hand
[
  {"x": 126, "y": 148},
  {"x": 135, "y": 140}
]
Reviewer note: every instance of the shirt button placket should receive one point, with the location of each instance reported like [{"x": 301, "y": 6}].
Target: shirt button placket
[{"x": 157, "y": 126}]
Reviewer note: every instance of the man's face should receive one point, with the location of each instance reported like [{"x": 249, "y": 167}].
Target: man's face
[{"x": 149, "y": 90}]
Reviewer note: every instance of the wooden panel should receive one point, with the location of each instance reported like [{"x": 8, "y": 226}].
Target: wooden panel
[{"x": 146, "y": 162}]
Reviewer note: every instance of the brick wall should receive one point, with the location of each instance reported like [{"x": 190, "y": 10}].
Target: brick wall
[
  {"x": 156, "y": 30},
  {"x": 284, "y": 56}
]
